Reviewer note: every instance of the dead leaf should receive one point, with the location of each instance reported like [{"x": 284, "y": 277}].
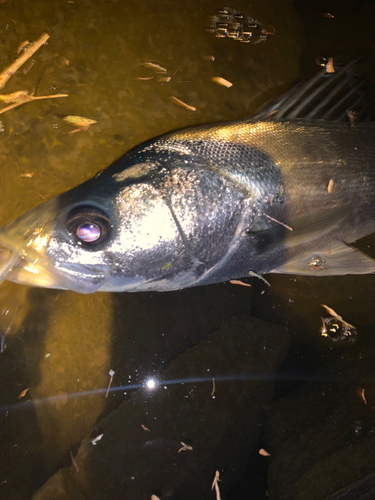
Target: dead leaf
[
  {"x": 82, "y": 123},
  {"x": 329, "y": 66},
  {"x": 23, "y": 393},
  {"x": 264, "y": 453}
]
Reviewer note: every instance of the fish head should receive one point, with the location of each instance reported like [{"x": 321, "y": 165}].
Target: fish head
[
  {"x": 50, "y": 247},
  {"x": 103, "y": 235}
]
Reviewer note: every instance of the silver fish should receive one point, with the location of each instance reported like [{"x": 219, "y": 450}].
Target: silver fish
[{"x": 288, "y": 191}]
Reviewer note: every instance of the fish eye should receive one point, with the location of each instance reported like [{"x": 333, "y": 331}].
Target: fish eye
[{"x": 89, "y": 225}]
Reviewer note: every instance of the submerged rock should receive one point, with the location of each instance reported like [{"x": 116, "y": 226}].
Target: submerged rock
[{"x": 203, "y": 415}]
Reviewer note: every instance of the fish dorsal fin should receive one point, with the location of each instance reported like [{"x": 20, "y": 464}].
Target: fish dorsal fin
[
  {"x": 337, "y": 261},
  {"x": 326, "y": 96}
]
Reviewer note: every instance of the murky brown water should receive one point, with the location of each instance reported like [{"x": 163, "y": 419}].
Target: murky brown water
[{"x": 61, "y": 343}]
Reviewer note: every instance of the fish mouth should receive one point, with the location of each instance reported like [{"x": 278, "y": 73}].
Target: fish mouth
[{"x": 34, "y": 269}]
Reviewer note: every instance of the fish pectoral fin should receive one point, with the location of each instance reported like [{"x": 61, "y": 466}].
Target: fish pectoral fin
[
  {"x": 295, "y": 232},
  {"x": 313, "y": 226},
  {"x": 340, "y": 260}
]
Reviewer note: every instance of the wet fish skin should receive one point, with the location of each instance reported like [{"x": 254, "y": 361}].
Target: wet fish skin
[{"x": 209, "y": 204}]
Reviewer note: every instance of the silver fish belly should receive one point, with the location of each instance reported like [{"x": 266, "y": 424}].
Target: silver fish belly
[{"x": 208, "y": 204}]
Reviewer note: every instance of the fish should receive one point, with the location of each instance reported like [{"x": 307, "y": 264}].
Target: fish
[{"x": 288, "y": 190}]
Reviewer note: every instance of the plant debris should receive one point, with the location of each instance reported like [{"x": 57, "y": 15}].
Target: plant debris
[
  {"x": 278, "y": 222},
  {"x": 336, "y": 329},
  {"x": 156, "y": 67},
  {"x": 361, "y": 394},
  {"x": 222, "y": 81},
  {"x": 213, "y": 387},
  {"x": 185, "y": 447},
  {"x": 96, "y": 440},
  {"x": 23, "y": 393},
  {"x": 215, "y": 485},
  {"x": 183, "y": 104},
  {"x": 111, "y": 373},
  {"x": 238, "y": 282},
  {"x": 21, "y": 97},
  {"x": 329, "y": 66},
  {"x": 337, "y": 316},
  {"x": 264, "y": 453},
  {"x": 255, "y": 275},
  {"x": 23, "y": 46},
  {"x": 11, "y": 70},
  {"x": 80, "y": 121}
]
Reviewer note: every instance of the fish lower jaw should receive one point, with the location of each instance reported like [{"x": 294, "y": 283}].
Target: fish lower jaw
[
  {"x": 76, "y": 278},
  {"x": 23, "y": 275}
]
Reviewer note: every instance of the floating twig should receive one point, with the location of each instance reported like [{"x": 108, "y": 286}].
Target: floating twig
[
  {"x": 21, "y": 97},
  {"x": 10, "y": 70},
  {"x": 183, "y": 104},
  {"x": 155, "y": 67},
  {"x": 278, "y": 222},
  {"x": 238, "y": 282},
  {"x": 337, "y": 316},
  {"x": 213, "y": 387},
  {"x": 111, "y": 373},
  {"x": 185, "y": 447},
  {"x": 215, "y": 485}
]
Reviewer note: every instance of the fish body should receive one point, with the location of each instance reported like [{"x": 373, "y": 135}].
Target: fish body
[{"x": 205, "y": 205}]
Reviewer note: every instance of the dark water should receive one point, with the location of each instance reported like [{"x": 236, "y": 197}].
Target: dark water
[{"x": 214, "y": 363}]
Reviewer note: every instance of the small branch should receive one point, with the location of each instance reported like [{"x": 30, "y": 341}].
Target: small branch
[
  {"x": 278, "y": 222},
  {"x": 7, "y": 73},
  {"x": 29, "y": 98}
]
